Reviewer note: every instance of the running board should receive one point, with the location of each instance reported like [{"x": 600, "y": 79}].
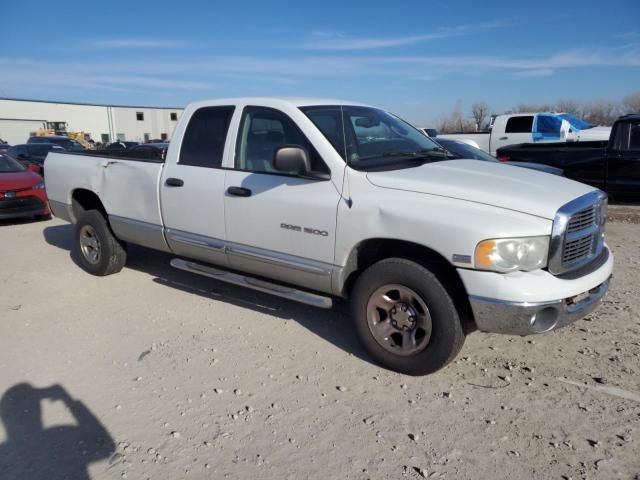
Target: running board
[{"x": 253, "y": 283}]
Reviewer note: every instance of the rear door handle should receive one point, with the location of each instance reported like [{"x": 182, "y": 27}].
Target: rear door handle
[
  {"x": 239, "y": 191},
  {"x": 503, "y": 138},
  {"x": 174, "y": 182}
]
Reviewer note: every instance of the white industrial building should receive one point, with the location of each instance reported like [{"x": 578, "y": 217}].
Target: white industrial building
[{"x": 20, "y": 119}]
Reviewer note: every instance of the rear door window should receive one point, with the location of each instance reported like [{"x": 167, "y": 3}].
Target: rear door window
[
  {"x": 205, "y": 136},
  {"x": 522, "y": 124}
]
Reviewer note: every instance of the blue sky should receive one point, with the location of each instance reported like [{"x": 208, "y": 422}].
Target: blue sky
[{"x": 415, "y": 58}]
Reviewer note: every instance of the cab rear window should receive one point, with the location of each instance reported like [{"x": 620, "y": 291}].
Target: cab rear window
[{"x": 522, "y": 124}]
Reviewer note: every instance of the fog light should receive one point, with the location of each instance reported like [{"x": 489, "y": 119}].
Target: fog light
[{"x": 544, "y": 320}]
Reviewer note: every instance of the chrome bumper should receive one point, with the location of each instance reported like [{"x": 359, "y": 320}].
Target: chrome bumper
[{"x": 514, "y": 318}]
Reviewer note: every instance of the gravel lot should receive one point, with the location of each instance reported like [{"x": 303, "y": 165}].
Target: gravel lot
[{"x": 157, "y": 373}]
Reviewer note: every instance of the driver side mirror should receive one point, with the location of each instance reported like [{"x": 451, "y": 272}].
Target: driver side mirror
[
  {"x": 292, "y": 159},
  {"x": 33, "y": 168}
]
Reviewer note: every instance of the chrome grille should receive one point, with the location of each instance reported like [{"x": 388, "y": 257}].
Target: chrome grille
[
  {"x": 582, "y": 219},
  {"x": 577, "y": 236},
  {"x": 575, "y": 250}
]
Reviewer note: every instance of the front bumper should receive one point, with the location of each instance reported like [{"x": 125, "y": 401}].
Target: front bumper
[
  {"x": 521, "y": 318},
  {"x": 522, "y": 303},
  {"x": 22, "y": 206}
]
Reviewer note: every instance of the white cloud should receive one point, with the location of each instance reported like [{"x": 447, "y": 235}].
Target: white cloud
[
  {"x": 178, "y": 74},
  {"x": 541, "y": 72},
  {"x": 132, "y": 44},
  {"x": 33, "y": 73},
  {"x": 327, "y": 40}
]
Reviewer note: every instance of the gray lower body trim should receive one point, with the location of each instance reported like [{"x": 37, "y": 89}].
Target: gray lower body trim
[
  {"x": 140, "y": 233},
  {"x": 306, "y": 273},
  {"x": 303, "y": 272},
  {"x": 60, "y": 210},
  {"x": 199, "y": 247},
  {"x": 515, "y": 318},
  {"x": 289, "y": 261}
]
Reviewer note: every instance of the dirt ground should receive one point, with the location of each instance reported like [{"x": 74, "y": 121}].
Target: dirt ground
[{"x": 156, "y": 373}]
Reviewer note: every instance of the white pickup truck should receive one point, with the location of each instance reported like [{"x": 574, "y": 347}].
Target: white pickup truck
[
  {"x": 314, "y": 199},
  {"x": 515, "y": 128}
]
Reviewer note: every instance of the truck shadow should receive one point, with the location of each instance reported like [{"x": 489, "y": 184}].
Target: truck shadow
[{"x": 332, "y": 325}]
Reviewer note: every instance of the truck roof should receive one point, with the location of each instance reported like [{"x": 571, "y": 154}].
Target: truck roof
[
  {"x": 293, "y": 101},
  {"x": 533, "y": 113}
]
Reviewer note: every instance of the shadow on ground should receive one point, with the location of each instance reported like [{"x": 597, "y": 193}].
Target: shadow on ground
[
  {"x": 332, "y": 325},
  {"x": 21, "y": 221},
  {"x": 63, "y": 451}
]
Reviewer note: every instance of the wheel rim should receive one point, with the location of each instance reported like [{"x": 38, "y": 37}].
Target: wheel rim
[
  {"x": 89, "y": 244},
  {"x": 399, "y": 320}
]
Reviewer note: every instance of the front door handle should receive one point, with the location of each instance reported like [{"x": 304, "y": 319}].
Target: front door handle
[
  {"x": 239, "y": 191},
  {"x": 174, "y": 182},
  {"x": 503, "y": 138}
]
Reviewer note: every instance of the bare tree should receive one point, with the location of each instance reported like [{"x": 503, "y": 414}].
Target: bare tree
[
  {"x": 442, "y": 124},
  {"x": 631, "y": 103},
  {"x": 569, "y": 106},
  {"x": 480, "y": 111},
  {"x": 601, "y": 112},
  {"x": 528, "y": 108},
  {"x": 454, "y": 121}
]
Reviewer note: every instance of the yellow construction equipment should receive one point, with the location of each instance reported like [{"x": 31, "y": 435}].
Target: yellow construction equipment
[{"x": 80, "y": 137}]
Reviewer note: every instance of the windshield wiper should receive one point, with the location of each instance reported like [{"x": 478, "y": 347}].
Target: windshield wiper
[{"x": 416, "y": 154}]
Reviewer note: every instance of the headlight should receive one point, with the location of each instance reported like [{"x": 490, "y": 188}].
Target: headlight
[
  {"x": 604, "y": 211},
  {"x": 39, "y": 186},
  {"x": 509, "y": 254}
]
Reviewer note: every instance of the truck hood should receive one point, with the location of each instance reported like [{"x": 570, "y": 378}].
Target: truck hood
[
  {"x": 504, "y": 186},
  {"x": 18, "y": 180}
]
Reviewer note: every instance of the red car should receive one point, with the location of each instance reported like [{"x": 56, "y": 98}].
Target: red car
[{"x": 22, "y": 192}]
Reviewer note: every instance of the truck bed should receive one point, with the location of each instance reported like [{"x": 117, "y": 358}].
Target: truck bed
[{"x": 128, "y": 187}]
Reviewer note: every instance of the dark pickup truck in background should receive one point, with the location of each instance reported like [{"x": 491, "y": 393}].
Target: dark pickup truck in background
[{"x": 612, "y": 166}]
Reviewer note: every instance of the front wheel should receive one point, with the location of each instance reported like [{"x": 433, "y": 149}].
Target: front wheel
[
  {"x": 97, "y": 249},
  {"x": 405, "y": 318}
]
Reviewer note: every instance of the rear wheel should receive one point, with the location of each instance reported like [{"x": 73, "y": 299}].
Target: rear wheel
[
  {"x": 97, "y": 249},
  {"x": 405, "y": 318}
]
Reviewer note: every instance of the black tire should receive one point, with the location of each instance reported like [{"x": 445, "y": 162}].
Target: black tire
[
  {"x": 446, "y": 336},
  {"x": 111, "y": 256}
]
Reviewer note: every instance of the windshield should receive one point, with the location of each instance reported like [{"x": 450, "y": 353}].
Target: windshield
[
  {"x": 9, "y": 165},
  {"x": 372, "y": 139},
  {"x": 576, "y": 122},
  {"x": 464, "y": 150},
  {"x": 70, "y": 144}
]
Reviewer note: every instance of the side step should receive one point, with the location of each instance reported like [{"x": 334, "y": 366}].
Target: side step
[{"x": 249, "y": 282}]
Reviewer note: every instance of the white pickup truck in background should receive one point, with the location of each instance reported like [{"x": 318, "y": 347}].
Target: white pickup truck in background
[
  {"x": 515, "y": 128},
  {"x": 314, "y": 199}
]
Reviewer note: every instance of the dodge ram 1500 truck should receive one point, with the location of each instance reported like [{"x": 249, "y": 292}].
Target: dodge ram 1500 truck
[{"x": 314, "y": 199}]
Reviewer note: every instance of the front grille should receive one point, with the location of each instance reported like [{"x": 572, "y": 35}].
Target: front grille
[
  {"x": 17, "y": 205},
  {"x": 581, "y": 220},
  {"x": 577, "y": 238},
  {"x": 575, "y": 250}
]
